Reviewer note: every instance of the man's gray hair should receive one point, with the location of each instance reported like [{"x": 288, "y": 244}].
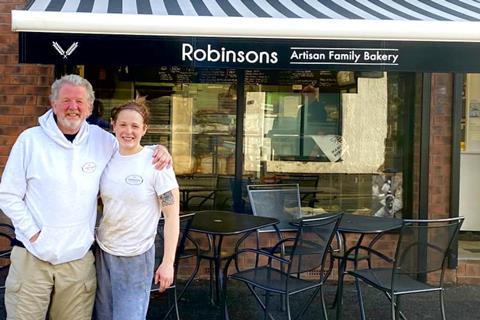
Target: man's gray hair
[{"x": 75, "y": 80}]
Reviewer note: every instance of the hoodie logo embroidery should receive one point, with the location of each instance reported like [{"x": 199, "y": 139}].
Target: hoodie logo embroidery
[
  {"x": 62, "y": 52},
  {"x": 134, "y": 179},
  {"x": 89, "y": 167}
]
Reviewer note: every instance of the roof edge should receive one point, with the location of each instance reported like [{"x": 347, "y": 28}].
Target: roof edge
[{"x": 243, "y": 27}]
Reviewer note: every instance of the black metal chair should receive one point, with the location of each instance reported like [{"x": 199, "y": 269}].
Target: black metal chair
[
  {"x": 303, "y": 181},
  {"x": 422, "y": 250},
  {"x": 200, "y": 191},
  {"x": 280, "y": 201},
  {"x": 286, "y": 275},
  {"x": 283, "y": 201},
  {"x": 7, "y": 235},
  {"x": 182, "y": 253}
]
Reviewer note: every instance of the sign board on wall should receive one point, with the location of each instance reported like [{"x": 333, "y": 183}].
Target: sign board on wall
[{"x": 210, "y": 52}]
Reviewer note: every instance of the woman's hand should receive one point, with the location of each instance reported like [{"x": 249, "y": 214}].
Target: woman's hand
[{"x": 164, "y": 276}]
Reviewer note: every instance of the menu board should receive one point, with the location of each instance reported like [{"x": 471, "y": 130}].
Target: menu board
[
  {"x": 179, "y": 74},
  {"x": 257, "y": 77},
  {"x": 176, "y": 74},
  {"x": 217, "y": 76},
  {"x": 326, "y": 81}
]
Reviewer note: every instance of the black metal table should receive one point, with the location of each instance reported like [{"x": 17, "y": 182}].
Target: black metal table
[
  {"x": 313, "y": 192},
  {"x": 355, "y": 223},
  {"x": 362, "y": 225},
  {"x": 218, "y": 224},
  {"x": 185, "y": 191}
]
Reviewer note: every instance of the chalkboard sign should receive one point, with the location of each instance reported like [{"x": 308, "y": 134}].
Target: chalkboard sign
[
  {"x": 216, "y": 76},
  {"x": 179, "y": 74},
  {"x": 326, "y": 81}
]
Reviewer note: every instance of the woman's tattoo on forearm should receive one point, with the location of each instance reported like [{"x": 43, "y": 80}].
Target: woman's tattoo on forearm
[{"x": 167, "y": 198}]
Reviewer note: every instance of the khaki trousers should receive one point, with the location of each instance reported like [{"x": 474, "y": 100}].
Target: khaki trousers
[{"x": 33, "y": 287}]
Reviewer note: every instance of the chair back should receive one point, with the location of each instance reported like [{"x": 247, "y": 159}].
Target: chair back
[
  {"x": 304, "y": 181},
  {"x": 7, "y": 236},
  {"x": 301, "y": 180},
  {"x": 424, "y": 245},
  {"x": 185, "y": 222},
  {"x": 312, "y": 244},
  {"x": 280, "y": 201},
  {"x": 203, "y": 196}
]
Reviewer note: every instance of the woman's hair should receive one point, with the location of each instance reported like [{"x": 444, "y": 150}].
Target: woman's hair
[
  {"x": 139, "y": 105},
  {"x": 75, "y": 80}
]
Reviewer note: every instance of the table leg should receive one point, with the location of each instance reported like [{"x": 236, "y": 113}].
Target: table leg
[
  {"x": 357, "y": 248},
  {"x": 342, "y": 270},
  {"x": 218, "y": 271},
  {"x": 184, "y": 200},
  {"x": 341, "y": 247},
  {"x": 339, "y": 296}
]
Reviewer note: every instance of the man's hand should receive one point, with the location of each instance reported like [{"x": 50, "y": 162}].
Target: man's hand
[
  {"x": 164, "y": 276},
  {"x": 161, "y": 157},
  {"x": 35, "y": 237}
]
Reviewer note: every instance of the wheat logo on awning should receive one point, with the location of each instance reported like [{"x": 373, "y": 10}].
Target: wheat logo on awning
[{"x": 62, "y": 52}]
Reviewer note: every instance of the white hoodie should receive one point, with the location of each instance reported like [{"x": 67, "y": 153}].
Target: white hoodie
[{"x": 51, "y": 184}]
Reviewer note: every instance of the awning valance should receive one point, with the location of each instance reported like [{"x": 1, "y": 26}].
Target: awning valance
[{"x": 414, "y": 20}]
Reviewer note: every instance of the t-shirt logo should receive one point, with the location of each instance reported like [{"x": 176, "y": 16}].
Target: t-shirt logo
[
  {"x": 134, "y": 179},
  {"x": 89, "y": 167}
]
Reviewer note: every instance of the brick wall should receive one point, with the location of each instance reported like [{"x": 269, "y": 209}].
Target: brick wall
[
  {"x": 24, "y": 88},
  {"x": 417, "y": 148},
  {"x": 440, "y": 145},
  {"x": 387, "y": 246},
  {"x": 468, "y": 271}
]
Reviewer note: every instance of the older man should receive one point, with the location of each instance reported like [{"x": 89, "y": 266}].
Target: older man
[{"x": 49, "y": 190}]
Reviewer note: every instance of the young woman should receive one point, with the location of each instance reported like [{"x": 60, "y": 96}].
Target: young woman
[{"x": 134, "y": 194}]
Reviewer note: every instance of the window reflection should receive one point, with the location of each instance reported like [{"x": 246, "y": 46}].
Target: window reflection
[
  {"x": 345, "y": 137},
  {"x": 343, "y": 147}
]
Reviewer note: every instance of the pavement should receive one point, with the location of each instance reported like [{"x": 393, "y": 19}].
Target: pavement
[{"x": 462, "y": 302}]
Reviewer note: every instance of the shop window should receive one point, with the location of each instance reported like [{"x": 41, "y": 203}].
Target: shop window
[
  {"x": 193, "y": 113},
  {"x": 470, "y": 154},
  {"x": 355, "y": 151},
  {"x": 471, "y": 115},
  {"x": 350, "y": 156},
  {"x": 306, "y": 126}
]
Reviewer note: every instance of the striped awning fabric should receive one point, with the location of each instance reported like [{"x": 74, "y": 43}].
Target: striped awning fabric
[
  {"x": 426, "y": 10},
  {"x": 423, "y": 20}
]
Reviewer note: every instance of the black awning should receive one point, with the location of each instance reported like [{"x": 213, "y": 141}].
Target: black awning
[{"x": 422, "y": 35}]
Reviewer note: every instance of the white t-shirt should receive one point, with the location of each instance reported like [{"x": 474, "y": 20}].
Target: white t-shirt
[{"x": 129, "y": 189}]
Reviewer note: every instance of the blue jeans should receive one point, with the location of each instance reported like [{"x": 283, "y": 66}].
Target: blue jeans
[{"x": 123, "y": 285}]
